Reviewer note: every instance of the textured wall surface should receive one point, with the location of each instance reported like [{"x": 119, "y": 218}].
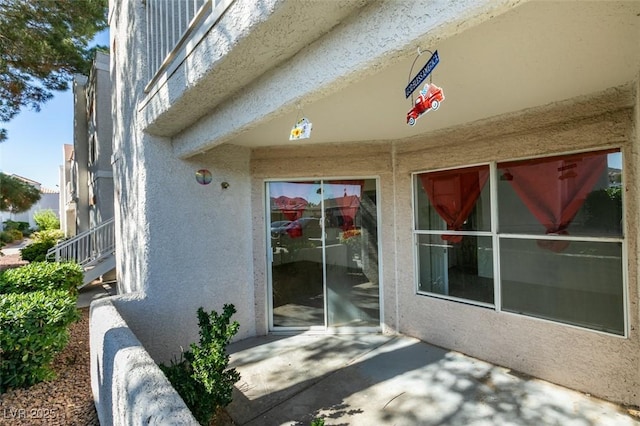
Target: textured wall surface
[
  {"x": 375, "y": 37},
  {"x": 179, "y": 245},
  {"x": 602, "y": 364},
  {"x": 128, "y": 387}
]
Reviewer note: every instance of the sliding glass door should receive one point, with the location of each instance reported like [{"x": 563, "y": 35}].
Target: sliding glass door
[{"x": 323, "y": 254}]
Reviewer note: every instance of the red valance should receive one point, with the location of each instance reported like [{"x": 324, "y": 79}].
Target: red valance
[
  {"x": 453, "y": 194},
  {"x": 554, "y": 189}
]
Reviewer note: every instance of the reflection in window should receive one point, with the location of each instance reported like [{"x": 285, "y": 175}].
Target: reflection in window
[{"x": 560, "y": 237}]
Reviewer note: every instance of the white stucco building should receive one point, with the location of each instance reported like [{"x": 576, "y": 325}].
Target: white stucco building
[
  {"x": 503, "y": 224},
  {"x": 86, "y": 175}
]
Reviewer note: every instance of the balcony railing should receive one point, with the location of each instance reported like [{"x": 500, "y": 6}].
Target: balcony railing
[
  {"x": 170, "y": 26},
  {"x": 88, "y": 247}
]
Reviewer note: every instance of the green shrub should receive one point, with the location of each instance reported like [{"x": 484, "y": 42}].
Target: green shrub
[
  {"x": 46, "y": 220},
  {"x": 43, "y": 276},
  {"x": 33, "y": 329},
  {"x": 6, "y": 237},
  {"x": 20, "y": 226},
  {"x": 51, "y": 236},
  {"x": 201, "y": 377},
  {"x": 17, "y": 235},
  {"x": 36, "y": 252}
]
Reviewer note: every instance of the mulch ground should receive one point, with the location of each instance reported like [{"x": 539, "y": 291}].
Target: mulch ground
[
  {"x": 11, "y": 261},
  {"x": 66, "y": 400}
]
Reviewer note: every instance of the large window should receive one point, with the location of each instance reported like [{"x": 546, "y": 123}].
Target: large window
[{"x": 539, "y": 237}]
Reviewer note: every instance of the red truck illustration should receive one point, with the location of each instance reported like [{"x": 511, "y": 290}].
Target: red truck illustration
[{"x": 429, "y": 99}]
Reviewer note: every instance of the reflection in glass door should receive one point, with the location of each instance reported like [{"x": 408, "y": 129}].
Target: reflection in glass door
[{"x": 324, "y": 254}]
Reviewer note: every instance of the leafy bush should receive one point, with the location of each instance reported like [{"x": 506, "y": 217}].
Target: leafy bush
[
  {"x": 6, "y": 237},
  {"x": 46, "y": 220},
  {"x": 20, "y": 226},
  {"x": 33, "y": 329},
  {"x": 36, "y": 252},
  {"x": 17, "y": 235},
  {"x": 51, "y": 236},
  {"x": 42, "y": 276},
  {"x": 201, "y": 377}
]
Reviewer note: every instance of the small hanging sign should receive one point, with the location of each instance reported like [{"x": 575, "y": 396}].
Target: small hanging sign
[
  {"x": 430, "y": 96},
  {"x": 423, "y": 74},
  {"x": 203, "y": 177},
  {"x": 301, "y": 130},
  {"x": 429, "y": 99}
]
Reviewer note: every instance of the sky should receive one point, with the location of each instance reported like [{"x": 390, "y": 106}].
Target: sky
[{"x": 33, "y": 148}]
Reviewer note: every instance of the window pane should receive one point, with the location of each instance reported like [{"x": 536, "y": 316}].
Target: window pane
[
  {"x": 576, "y": 194},
  {"x": 454, "y": 199},
  {"x": 463, "y": 269},
  {"x": 582, "y": 285}
]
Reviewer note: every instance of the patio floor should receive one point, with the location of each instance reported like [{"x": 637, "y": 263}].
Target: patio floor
[{"x": 395, "y": 380}]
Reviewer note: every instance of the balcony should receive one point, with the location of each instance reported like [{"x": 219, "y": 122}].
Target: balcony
[
  {"x": 228, "y": 46},
  {"x": 174, "y": 29}
]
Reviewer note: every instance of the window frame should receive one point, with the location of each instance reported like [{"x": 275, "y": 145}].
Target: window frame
[{"x": 497, "y": 236}]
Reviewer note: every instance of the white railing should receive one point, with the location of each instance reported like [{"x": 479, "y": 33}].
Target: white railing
[
  {"x": 169, "y": 23},
  {"x": 87, "y": 247},
  {"x": 170, "y": 26}
]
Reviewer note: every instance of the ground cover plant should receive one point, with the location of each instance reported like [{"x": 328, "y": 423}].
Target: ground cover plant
[
  {"x": 202, "y": 377},
  {"x": 37, "y": 306},
  {"x": 42, "y": 276}
]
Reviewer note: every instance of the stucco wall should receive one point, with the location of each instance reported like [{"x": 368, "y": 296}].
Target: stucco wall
[
  {"x": 180, "y": 245},
  {"x": 127, "y": 385},
  {"x": 602, "y": 364}
]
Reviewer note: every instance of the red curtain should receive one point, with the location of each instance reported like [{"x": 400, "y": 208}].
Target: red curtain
[
  {"x": 554, "y": 189},
  {"x": 348, "y": 204},
  {"x": 453, "y": 194}
]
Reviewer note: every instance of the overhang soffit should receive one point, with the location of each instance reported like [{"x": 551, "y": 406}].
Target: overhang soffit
[
  {"x": 377, "y": 37},
  {"x": 250, "y": 39}
]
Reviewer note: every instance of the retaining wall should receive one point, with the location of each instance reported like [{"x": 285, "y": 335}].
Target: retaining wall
[{"x": 128, "y": 387}]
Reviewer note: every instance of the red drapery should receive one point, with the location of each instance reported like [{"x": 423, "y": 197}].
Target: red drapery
[
  {"x": 453, "y": 194},
  {"x": 554, "y": 189},
  {"x": 348, "y": 204}
]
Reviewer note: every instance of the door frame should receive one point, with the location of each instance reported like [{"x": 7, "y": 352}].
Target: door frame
[{"x": 324, "y": 329}]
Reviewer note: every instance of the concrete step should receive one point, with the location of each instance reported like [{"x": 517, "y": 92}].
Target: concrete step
[{"x": 96, "y": 270}]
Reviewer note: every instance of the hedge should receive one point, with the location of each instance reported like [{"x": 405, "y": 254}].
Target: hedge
[
  {"x": 36, "y": 252},
  {"x": 33, "y": 329},
  {"x": 42, "y": 276}
]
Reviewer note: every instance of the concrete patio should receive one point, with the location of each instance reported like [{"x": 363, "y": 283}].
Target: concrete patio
[{"x": 395, "y": 380}]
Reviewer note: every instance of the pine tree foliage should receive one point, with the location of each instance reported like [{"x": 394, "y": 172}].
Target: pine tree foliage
[
  {"x": 16, "y": 196},
  {"x": 42, "y": 44}
]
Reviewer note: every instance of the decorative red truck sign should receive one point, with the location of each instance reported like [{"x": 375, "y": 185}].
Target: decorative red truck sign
[{"x": 429, "y": 99}]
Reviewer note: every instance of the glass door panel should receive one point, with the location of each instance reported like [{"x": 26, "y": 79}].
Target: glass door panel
[
  {"x": 296, "y": 246},
  {"x": 324, "y": 248},
  {"x": 351, "y": 253}
]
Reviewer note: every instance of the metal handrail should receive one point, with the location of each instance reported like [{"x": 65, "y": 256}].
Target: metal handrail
[
  {"x": 87, "y": 247},
  {"x": 169, "y": 25}
]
